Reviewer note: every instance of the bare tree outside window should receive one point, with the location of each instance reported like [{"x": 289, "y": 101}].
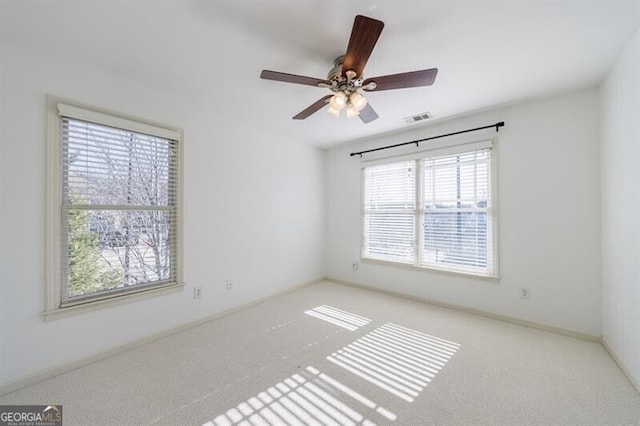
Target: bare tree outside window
[{"x": 119, "y": 201}]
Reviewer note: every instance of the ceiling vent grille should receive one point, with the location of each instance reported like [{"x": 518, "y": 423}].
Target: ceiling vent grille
[{"x": 419, "y": 117}]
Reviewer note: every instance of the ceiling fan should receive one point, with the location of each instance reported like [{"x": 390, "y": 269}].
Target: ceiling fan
[{"x": 346, "y": 80}]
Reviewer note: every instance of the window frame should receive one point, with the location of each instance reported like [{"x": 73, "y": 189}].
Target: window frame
[
  {"x": 442, "y": 148},
  {"x": 54, "y": 227}
]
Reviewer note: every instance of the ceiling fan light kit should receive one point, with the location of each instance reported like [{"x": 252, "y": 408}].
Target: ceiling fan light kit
[
  {"x": 346, "y": 95},
  {"x": 346, "y": 80}
]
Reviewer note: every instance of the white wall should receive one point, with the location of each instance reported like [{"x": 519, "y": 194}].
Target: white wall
[
  {"x": 620, "y": 205},
  {"x": 549, "y": 217},
  {"x": 253, "y": 213}
]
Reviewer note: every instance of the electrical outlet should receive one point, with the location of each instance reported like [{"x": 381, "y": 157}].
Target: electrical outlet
[
  {"x": 197, "y": 292},
  {"x": 525, "y": 293},
  {"x": 229, "y": 285},
  {"x": 355, "y": 265}
]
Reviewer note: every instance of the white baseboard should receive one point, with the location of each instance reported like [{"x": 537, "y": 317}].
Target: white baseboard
[
  {"x": 634, "y": 383},
  {"x": 512, "y": 320},
  {"x": 57, "y": 370}
]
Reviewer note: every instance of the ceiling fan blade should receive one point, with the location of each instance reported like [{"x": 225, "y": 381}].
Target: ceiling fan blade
[
  {"x": 402, "y": 80},
  {"x": 364, "y": 36},
  {"x": 292, "y": 78},
  {"x": 315, "y": 107},
  {"x": 368, "y": 114}
]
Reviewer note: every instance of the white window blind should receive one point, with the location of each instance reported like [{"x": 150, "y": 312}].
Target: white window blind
[
  {"x": 434, "y": 211},
  {"x": 389, "y": 212},
  {"x": 456, "y": 218},
  {"x": 118, "y": 209}
]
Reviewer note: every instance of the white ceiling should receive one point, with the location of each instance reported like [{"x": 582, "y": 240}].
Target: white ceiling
[{"x": 488, "y": 52}]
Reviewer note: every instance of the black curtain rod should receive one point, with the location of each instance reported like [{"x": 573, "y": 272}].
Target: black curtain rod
[{"x": 417, "y": 142}]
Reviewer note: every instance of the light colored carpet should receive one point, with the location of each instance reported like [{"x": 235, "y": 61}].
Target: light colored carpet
[{"x": 331, "y": 354}]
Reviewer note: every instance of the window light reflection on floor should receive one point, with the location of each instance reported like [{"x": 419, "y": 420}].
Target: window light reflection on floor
[
  {"x": 338, "y": 317},
  {"x": 397, "y": 359},
  {"x": 308, "y": 398}
]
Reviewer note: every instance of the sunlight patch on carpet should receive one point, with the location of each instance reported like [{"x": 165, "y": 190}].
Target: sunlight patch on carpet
[
  {"x": 397, "y": 359},
  {"x": 306, "y": 398},
  {"x": 338, "y": 317}
]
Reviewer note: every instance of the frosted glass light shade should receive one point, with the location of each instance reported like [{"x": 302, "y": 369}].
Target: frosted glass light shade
[
  {"x": 333, "y": 111},
  {"x": 358, "y": 101},
  {"x": 352, "y": 112},
  {"x": 338, "y": 101}
]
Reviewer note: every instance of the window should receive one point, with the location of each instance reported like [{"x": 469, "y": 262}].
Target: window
[
  {"x": 114, "y": 212},
  {"x": 389, "y": 211},
  {"x": 434, "y": 211}
]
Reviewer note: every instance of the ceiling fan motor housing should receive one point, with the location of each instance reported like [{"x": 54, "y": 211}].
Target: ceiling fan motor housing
[{"x": 340, "y": 83}]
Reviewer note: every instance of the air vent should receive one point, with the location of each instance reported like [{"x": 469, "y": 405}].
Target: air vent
[{"x": 420, "y": 117}]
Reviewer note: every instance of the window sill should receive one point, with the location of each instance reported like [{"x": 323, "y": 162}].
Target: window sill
[
  {"x": 412, "y": 267},
  {"x": 68, "y": 311}
]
